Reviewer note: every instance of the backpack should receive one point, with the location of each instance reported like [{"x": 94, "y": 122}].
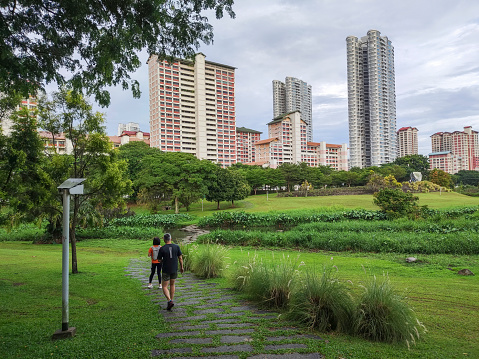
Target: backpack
[{"x": 156, "y": 251}]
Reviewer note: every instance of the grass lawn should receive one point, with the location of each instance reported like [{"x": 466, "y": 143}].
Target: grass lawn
[
  {"x": 264, "y": 203},
  {"x": 115, "y": 319}
]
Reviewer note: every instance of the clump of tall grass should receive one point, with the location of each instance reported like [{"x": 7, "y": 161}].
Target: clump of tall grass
[
  {"x": 187, "y": 251},
  {"x": 322, "y": 302},
  {"x": 208, "y": 261},
  {"x": 383, "y": 315},
  {"x": 268, "y": 283}
]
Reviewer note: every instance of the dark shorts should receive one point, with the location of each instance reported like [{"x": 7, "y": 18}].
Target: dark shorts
[{"x": 165, "y": 277}]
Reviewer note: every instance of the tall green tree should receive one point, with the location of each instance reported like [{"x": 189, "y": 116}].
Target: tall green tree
[
  {"x": 92, "y": 158},
  {"x": 134, "y": 153},
  {"x": 256, "y": 178},
  {"x": 291, "y": 174},
  {"x": 274, "y": 178},
  {"x": 413, "y": 163},
  {"x": 25, "y": 187},
  {"x": 220, "y": 186},
  {"x": 96, "y": 42},
  {"x": 176, "y": 176},
  {"x": 467, "y": 177},
  {"x": 241, "y": 188}
]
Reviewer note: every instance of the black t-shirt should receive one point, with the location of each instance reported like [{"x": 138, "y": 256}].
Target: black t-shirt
[{"x": 169, "y": 254}]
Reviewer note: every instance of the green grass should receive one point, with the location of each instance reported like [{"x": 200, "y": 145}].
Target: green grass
[
  {"x": 263, "y": 203},
  {"x": 444, "y": 302},
  {"x": 115, "y": 319}
]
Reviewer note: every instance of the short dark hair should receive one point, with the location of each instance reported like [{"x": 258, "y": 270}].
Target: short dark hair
[
  {"x": 156, "y": 241},
  {"x": 167, "y": 237}
]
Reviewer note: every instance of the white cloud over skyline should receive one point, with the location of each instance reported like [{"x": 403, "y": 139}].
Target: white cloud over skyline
[{"x": 436, "y": 62}]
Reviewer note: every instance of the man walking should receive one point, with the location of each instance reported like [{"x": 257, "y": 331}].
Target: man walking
[{"x": 169, "y": 256}]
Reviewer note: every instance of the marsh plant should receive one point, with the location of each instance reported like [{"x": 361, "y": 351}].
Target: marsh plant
[
  {"x": 322, "y": 302},
  {"x": 269, "y": 283},
  {"x": 208, "y": 261},
  {"x": 384, "y": 315}
]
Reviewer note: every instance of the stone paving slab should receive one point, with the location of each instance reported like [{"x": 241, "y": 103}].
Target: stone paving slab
[
  {"x": 177, "y": 334},
  {"x": 157, "y": 352},
  {"x": 284, "y": 346},
  {"x": 186, "y": 319},
  {"x": 191, "y": 341},
  {"x": 190, "y": 327},
  {"x": 220, "y": 316},
  {"x": 229, "y": 348},
  {"x": 232, "y": 331},
  {"x": 235, "y": 339}
]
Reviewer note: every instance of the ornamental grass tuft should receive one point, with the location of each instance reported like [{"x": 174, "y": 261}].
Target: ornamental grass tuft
[
  {"x": 383, "y": 315},
  {"x": 322, "y": 302},
  {"x": 268, "y": 283},
  {"x": 208, "y": 261}
]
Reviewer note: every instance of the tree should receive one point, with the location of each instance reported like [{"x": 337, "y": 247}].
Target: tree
[
  {"x": 341, "y": 178},
  {"x": 441, "y": 178},
  {"x": 413, "y": 163},
  {"x": 274, "y": 178},
  {"x": 256, "y": 178},
  {"x": 25, "y": 187},
  {"x": 176, "y": 176},
  {"x": 468, "y": 177},
  {"x": 96, "y": 41},
  {"x": 395, "y": 202},
  {"x": 220, "y": 187},
  {"x": 241, "y": 189},
  {"x": 92, "y": 158},
  {"x": 290, "y": 173},
  {"x": 134, "y": 154},
  {"x": 399, "y": 172}
]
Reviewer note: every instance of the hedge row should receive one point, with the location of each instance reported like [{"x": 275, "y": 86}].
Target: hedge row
[
  {"x": 152, "y": 220},
  {"x": 294, "y": 218},
  {"x": 462, "y": 243}
]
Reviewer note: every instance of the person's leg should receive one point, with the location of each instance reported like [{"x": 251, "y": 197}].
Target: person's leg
[
  {"x": 159, "y": 274},
  {"x": 172, "y": 288},
  {"x": 164, "y": 283},
  {"x": 153, "y": 267}
]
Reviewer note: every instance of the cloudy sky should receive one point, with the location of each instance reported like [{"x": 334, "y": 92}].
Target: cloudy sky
[{"x": 436, "y": 46}]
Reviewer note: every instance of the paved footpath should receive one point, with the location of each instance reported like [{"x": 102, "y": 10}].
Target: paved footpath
[{"x": 210, "y": 322}]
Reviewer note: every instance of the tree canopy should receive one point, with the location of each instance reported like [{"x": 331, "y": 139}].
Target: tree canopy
[{"x": 96, "y": 42}]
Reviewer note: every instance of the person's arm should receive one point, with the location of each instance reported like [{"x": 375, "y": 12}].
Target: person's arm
[
  {"x": 150, "y": 252},
  {"x": 180, "y": 258}
]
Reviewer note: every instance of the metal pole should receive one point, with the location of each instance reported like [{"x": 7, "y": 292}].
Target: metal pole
[{"x": 65, "y": 257}]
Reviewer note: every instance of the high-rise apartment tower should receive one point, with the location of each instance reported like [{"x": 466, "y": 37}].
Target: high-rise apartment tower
[
  {"x": 294, "y": 95},
  {"x": 371, "y": 100},
  {"x": 192, "y": 108}
]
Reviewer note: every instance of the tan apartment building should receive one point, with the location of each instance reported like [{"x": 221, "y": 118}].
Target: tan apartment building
[
  {"x": 129, "y": 136},
  {"x": 461, "y": 144},
  {"x": 407, "y": 141},
  {"x": 245, "y": 144},
  {"x": 327, "y": 154},
  {"x": 192, "y": 108}
]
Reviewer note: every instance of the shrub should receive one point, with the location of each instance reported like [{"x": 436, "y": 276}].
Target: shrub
[
  {"x": 395, "y": 203},
  {"x": 208, "y": 261},
  {"x": 152, "y": 220},
  {"x": 322, "y": 302},
  {"x": 143, "y": 233},
  {"x": 383, "y": 315}
]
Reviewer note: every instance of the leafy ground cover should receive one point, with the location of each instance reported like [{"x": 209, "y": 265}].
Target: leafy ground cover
[{"x": 114, "y": 318}]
